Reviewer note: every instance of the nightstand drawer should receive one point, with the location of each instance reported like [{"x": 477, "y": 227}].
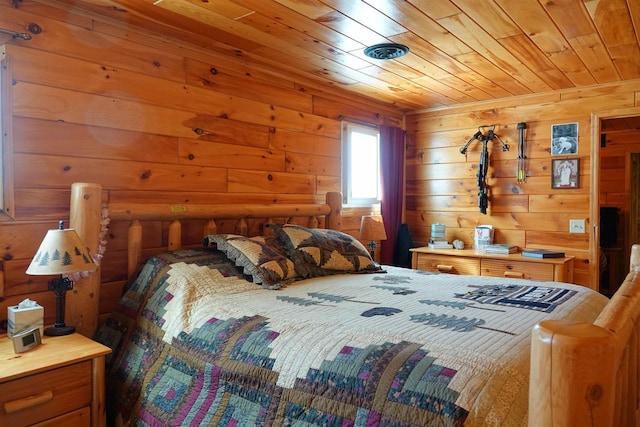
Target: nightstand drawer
[
  {"x": 45, "y": 395},
  {"x": 447, "y": 264},
  {"x": 516, "y": 269},
  {"x": 79, "y": 418}
]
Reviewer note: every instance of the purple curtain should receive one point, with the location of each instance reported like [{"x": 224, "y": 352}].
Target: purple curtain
[{"x": 392, "y": 169}]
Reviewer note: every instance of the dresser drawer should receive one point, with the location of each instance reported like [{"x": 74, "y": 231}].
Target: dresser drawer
[
  {"x": 46, "y": 395},
  {"x": 79, "y": 418},
  {"x": 448, "y": 264},
  {"x": 516, "y": 269}
]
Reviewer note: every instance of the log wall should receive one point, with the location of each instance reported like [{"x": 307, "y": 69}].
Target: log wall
[
  {"x": 442, "y": 185},
  {"x": 149, "y": 118}
]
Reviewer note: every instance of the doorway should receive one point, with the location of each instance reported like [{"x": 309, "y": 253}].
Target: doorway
[{"x": 625, "y": 205}]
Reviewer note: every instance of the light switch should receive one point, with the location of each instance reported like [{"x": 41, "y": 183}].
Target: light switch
[{"x": 577, "y": 226}]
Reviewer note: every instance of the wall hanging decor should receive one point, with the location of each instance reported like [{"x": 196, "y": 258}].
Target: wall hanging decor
[
  {"x": 565, "y": 173},
  {"x": 521, "y": 173},
  {"x": 564, "y": 139},
  {"x": 483, "y": 165}
]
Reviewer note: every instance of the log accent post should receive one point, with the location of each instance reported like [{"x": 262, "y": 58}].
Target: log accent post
[
  {"x": 134, "y": 247},
  {"x": 175, "y": 236},
  {"x": 82, "y": 304},
  {"x": 242, "y": 228},
  {"x": 334, "y": 218},
  {"x": 266, "y": 229},
  {"x": 210, "y": 228},
  {"x": 572, "y": 359}
]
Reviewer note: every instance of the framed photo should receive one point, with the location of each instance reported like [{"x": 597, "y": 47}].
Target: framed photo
[
  {"x": 564, "y": 139},
  {"x": 565, "y": 173}
]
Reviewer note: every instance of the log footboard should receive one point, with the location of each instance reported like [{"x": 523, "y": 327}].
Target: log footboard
[{"x": 587, "y": 374}]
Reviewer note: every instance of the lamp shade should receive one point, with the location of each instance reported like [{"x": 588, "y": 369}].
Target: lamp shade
[
  {"x": 61, "y": 252},
  {"x": 372, "y": 228}
]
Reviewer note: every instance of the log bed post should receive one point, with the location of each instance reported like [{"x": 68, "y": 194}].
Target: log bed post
[
  {"x": 588, "y": 374},
  {"x": 83, "y": 302},
  {"x": 134, "y": 247},
  {"x": 333, "y": 220},
  {"x": 571, "y": 359}
]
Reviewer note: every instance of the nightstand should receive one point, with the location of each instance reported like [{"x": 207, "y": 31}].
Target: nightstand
[{"x": 60, "y": 382}]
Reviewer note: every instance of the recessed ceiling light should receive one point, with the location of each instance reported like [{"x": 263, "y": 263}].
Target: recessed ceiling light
[{"x": 386, "y": 51}]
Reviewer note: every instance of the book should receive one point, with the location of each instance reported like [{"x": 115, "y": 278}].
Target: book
[
  {"x": 500, "y": 249},
  {"x": 443, "y": 244},
  {"x": 542, "y": 253}
]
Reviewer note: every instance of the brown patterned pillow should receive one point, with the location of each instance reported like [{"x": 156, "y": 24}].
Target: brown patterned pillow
[
  {"x": 321, "y": 252},
  {"x": 263, "y": 258}
]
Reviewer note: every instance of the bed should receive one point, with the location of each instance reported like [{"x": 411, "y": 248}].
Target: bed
[{"x": 205, "y": 336}]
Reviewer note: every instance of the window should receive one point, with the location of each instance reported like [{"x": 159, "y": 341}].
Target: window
[{"x": 360, "y": 164}]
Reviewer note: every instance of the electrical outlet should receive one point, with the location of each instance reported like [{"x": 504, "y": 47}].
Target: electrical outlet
[{"x": 577, "y": 226}]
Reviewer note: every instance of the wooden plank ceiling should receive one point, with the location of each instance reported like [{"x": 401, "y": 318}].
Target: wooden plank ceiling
[{"x": 461, "y": 51}]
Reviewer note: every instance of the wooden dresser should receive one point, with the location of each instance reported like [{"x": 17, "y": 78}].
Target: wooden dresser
[
  {"x": 472, "y": 262},
  {"x": 59, "y": 383}
]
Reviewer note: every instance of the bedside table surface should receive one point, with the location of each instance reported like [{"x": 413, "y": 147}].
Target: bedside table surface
[
  {"x": 477, "y": 254},
  {"x": 52, "y": 353}
]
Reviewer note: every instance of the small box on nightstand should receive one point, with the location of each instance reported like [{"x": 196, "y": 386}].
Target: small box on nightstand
[{"x": 22, "y": 319}]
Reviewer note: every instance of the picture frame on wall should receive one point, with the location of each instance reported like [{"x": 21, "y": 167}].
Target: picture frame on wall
[
  {"x": 565, "y": 173},
  {"x": 564, "y": 139}
]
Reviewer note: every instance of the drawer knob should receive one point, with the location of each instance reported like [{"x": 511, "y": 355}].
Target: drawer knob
[
  {"x": 28, "y": 402},
  {"x": 444, "y": 268},
  {"x": 514, "y": 275}
]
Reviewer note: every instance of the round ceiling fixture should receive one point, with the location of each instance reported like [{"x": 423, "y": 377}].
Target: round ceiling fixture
[{"x": 386, "y": 51}]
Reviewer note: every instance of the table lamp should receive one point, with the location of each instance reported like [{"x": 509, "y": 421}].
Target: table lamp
[
  {"x": 61, "y": 252},
  {"x": 372, "y": 231}
]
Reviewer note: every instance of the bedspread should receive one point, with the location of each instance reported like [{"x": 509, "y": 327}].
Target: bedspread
[{"x": 195, "y": 343}]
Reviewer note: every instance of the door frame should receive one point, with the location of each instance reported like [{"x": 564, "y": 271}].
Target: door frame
[{"x": 594, "y": 205}]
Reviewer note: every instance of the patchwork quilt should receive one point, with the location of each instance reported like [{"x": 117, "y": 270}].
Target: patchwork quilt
[{"x": 196, "y": 343}]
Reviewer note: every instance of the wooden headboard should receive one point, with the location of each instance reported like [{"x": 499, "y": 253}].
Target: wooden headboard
[{"x": 86, "y": 218}]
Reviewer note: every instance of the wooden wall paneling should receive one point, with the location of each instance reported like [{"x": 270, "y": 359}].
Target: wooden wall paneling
[
  {"x": 559, "y": 111},
  {"x": 325, "y": 184},
  {"x": 559, "y": 202},
  {"x": 18, "y": 282},
  {"x": 42, "y": 171},
  {"x": 222, "y": 129},
  {"x": 48, "y": 205},
  {"x": 214, "y": 76},
  {"x": 41, "y": 136},
  {"x": 327, "y": 107},
  {"x": 313, "y": 164},
  {"x": 307, "y": 143},
  {"x": 233, "y": 156},
  {"x": 21, "y": 240},
  {"x": 244, "y": 181},
  {"x": 70, "y": 35}
]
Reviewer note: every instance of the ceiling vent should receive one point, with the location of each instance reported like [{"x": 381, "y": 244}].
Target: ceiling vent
[{"x": 386, "y": 51}]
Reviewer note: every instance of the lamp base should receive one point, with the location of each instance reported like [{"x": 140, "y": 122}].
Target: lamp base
[
  {"x": 372, "y": 245},
  {"x": 57, "y": 331}
]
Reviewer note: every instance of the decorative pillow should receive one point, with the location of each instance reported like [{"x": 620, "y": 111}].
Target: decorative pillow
[
  {"x": 321, "y": 252},
  {"x": 263, "y": 258}
]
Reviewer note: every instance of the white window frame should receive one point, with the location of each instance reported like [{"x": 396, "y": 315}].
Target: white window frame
[{"x": 349, "y": 199}]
